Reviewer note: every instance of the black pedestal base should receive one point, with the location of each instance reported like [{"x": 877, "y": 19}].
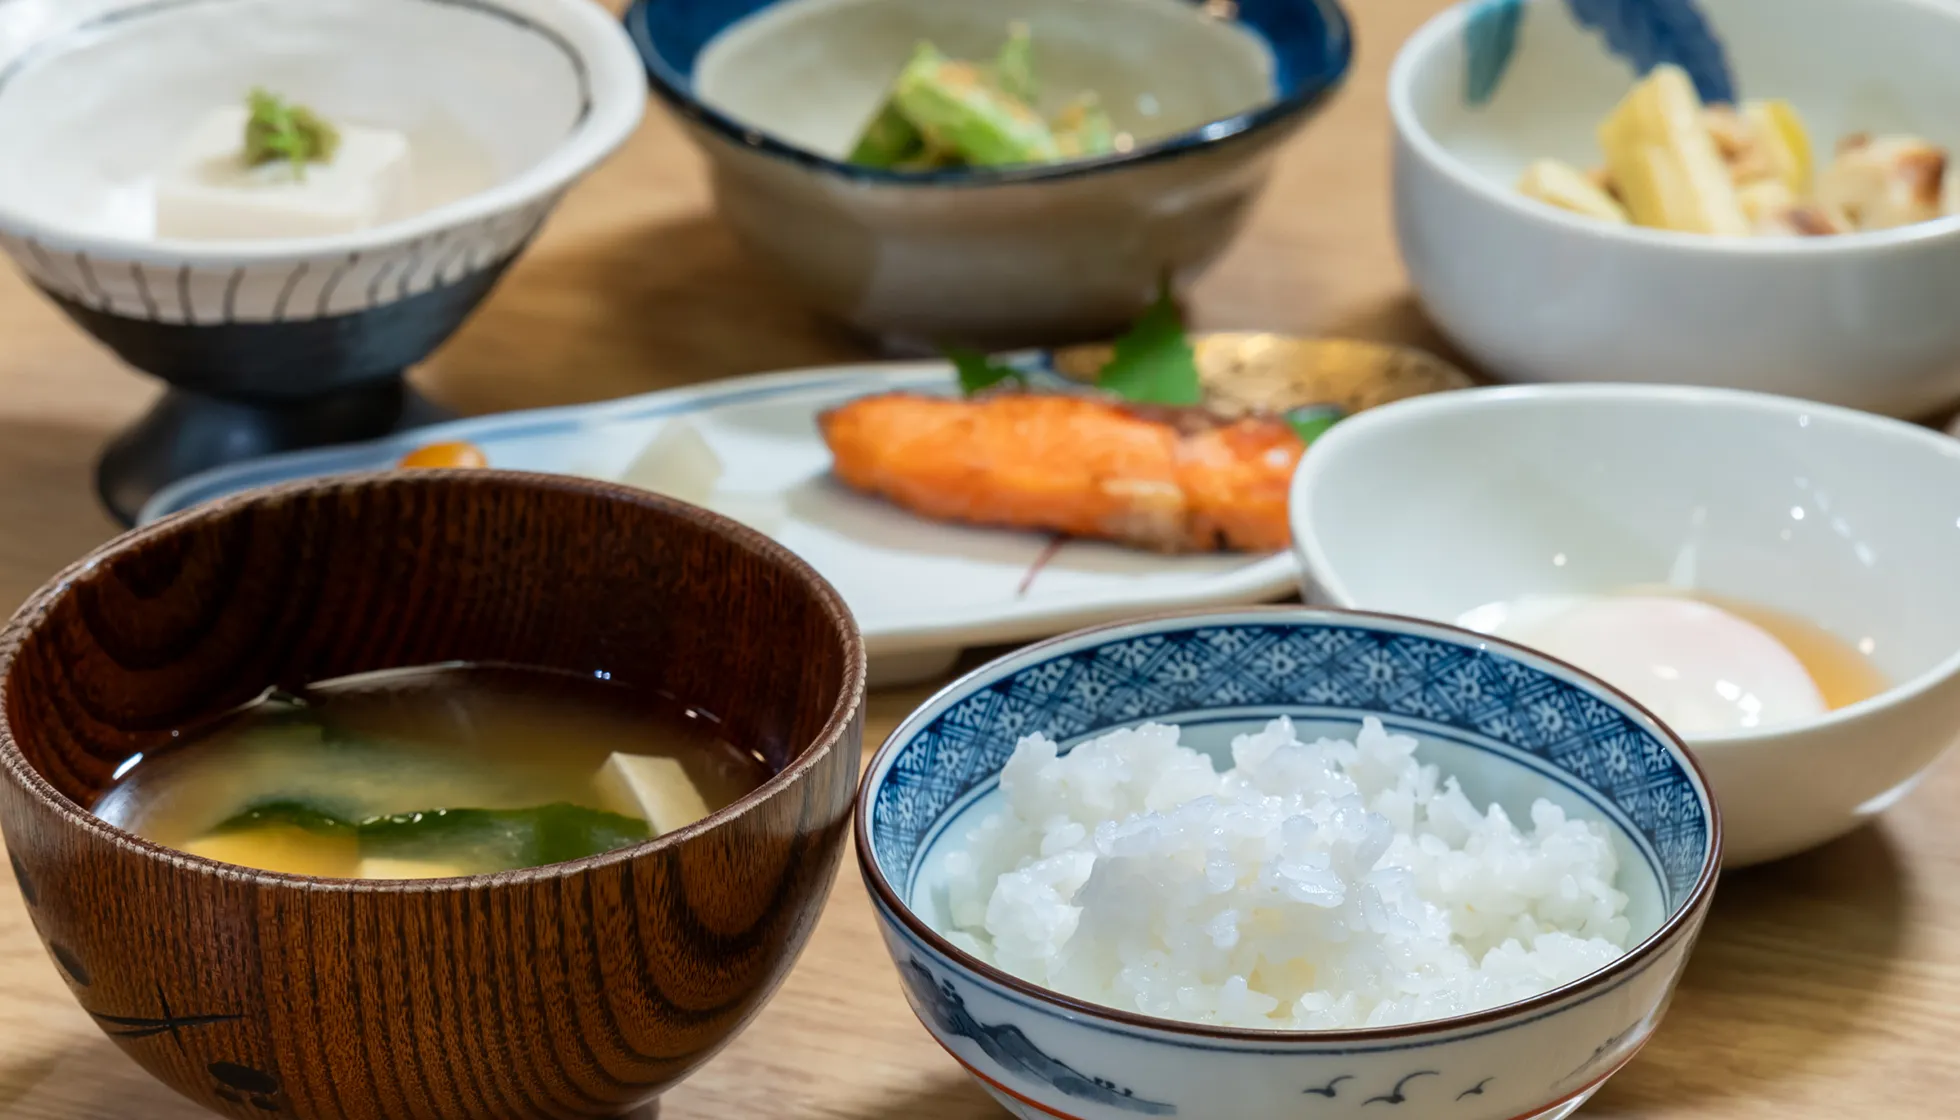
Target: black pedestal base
[{"x": 189, "y": 432}]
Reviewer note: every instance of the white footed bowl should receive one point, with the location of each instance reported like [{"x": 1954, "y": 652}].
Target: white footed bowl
[
  {"x": 1536, "y": 294},
  {"x": 1512, "y": 725},
  {"x": 275, "y": 344},
  {"x": 1435, "y": 506},
  {"x": 95, "y": 94}
]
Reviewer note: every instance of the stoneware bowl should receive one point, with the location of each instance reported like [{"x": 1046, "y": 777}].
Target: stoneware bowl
[
  {"x": 1513, "y": 725},
  {"x": 776, "y": 92},
  {"x": 1844, "y": 519},
  {"x": 276, "y": 344},
  {"x": 1535, "y": 294},
  {"x": 578, "y": 989}
]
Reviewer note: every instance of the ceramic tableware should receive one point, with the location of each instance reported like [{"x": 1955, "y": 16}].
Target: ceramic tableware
[
  {"x": 1536, "y": 294},
  {"x": 922, "y": 591},
  {"x": 276, "y": 344},
  {"x": 1852, "y": 522},
  {"x": 775, "y": 93},
  {"x": 582, "y": 988},
  {"x": 1515, "y": 726}
]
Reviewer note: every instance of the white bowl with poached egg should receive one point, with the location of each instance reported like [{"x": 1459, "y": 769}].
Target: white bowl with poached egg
[{"x": 1772, "y": 578}]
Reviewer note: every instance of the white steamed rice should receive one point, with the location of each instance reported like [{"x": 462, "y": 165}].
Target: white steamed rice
[{"x": 1312, "y": 886}]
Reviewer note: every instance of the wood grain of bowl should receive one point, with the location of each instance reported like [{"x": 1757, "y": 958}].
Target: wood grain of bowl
[{"x": 573, "y": 990}]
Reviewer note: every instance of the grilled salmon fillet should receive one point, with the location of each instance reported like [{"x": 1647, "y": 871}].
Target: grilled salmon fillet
[{"x": 1168, "y": 480}]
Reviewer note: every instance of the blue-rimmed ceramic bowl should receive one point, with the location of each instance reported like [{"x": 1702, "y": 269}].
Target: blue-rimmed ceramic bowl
[
  {"x": 776, "y": 91},
  {"x": 1513, "y": 725}
]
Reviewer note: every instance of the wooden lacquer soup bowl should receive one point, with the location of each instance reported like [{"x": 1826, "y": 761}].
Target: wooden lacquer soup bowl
[{"x": 576, "y": 989}]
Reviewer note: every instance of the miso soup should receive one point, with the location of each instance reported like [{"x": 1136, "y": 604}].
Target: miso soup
[{"x": 433, "y": 772}]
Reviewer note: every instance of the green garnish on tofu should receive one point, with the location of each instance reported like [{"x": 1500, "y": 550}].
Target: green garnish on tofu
[{"x": 278, "y": 131}]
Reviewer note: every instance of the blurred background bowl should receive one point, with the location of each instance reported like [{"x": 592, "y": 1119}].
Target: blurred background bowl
[
  {"x": 1436, "y": 506},
  {"x": 274, "y": 345},
  {"x": 776, "y": 93},
  {"x": 575, "y": 989},
  {"x": 1216, "y": 675},
  {"x": 1536, "y": 294}
]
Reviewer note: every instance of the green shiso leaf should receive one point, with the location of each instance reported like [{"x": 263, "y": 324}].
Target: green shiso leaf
[
  {"x": 1312, "y": 421},
  {"x": 1154, "y": 362},
  {"x": 979, "y": 372}
]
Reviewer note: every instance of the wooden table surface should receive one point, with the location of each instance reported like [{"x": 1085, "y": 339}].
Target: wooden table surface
[{"x": 1825, "y": 988}]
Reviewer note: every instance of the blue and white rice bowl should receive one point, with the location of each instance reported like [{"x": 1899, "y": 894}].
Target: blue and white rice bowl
[{"x": 1512, "y": 725}]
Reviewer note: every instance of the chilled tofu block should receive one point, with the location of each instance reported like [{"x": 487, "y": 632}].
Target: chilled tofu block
[
  {"x": 651, "y": 787},
  {"x": 373, "y": 867},
  {"x": 207, "y": 193}
]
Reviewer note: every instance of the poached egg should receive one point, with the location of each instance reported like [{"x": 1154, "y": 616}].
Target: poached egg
[{"x": 1701, "y": 669}]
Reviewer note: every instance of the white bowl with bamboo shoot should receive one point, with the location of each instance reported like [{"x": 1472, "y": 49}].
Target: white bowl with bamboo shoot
[{"x": 1759, "y": 198}]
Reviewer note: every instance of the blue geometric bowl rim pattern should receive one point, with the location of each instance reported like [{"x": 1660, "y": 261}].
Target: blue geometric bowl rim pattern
[
  {"x": 1309, "y": 91},
  {"x": 974, "y": 705}
]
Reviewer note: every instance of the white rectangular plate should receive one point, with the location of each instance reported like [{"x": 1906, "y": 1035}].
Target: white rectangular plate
[{"x": 922, "y": 590}]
